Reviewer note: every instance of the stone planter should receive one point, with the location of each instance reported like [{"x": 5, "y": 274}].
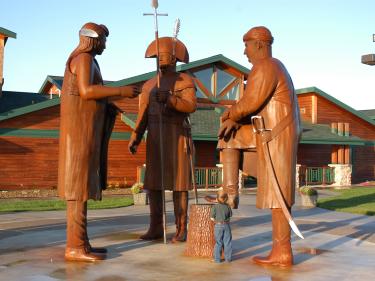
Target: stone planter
[
  {"x": 140, "y": 198},
  {"x": 309, "y": 200}
]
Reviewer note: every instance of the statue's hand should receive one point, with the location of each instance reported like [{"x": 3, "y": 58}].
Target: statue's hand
[
  {"x": 162, "y": 96},
  {"x": 132, "y": 146},
  {"x": 227, "y": 128},
  {"x": 130, "y": 91},
  {"x": 225, "y": 116}
]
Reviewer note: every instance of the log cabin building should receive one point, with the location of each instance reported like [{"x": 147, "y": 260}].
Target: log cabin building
[{"x": 337, "y": 144}]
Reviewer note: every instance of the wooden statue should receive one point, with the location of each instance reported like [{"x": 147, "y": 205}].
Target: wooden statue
[
  {"x": 164, "y": 113},
  {"x": 87, "y": 119},
  {"x": 271, "y": 104}
]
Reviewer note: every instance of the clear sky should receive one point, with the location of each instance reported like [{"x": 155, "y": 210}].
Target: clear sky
[{"x": 320, "y": 42}]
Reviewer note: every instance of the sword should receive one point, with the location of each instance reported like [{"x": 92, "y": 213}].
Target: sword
[
  {"x": 275, "y": 183},
  {"x": 155, "y": 14}
]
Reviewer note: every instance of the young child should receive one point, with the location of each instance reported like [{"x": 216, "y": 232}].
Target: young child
[{"x": 220, "y": 214}]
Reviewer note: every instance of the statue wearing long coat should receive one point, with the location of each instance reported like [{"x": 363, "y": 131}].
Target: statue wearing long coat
[
  {"x": 85, "y": 129},
  {"x": 176, "y": 134},
  {"x": 270, "y": 94}
]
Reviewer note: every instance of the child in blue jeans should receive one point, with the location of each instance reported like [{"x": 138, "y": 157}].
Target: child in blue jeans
[{"x": 220, "y": 214}]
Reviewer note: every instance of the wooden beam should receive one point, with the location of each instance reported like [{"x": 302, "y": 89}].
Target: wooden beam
[
  {"x": 2, "y": 44},
  {"x": 228, "y": 87}
]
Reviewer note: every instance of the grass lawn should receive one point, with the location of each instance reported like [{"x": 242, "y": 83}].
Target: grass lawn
[
  {"x": 21, "y": 205},
  {"x": 356, "y": 200}
]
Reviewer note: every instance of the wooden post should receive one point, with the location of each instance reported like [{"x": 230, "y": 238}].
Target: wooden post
[
  {"x": 2, "y": 44},
  {"x": 200, "y": 239},
  {"x": 334, "y": 154}
]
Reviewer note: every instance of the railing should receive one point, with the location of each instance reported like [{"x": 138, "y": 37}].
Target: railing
[
  {"x": 317, "y": 175},
  {"x": 205, "y": 177}
]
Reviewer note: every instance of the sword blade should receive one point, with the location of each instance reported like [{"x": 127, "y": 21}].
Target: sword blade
[
  {"x": 277, "y": 190},
  {"x": 295, "y": 229}
]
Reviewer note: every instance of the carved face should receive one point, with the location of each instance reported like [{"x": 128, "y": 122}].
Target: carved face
[
  {"x": 102, "y": 45},
  {"x": 251, "y": 48},
  {"x": 166, "y": 59}
]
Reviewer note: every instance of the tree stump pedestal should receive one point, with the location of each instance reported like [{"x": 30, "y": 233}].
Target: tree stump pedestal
[{"x": 200, "y": 239}]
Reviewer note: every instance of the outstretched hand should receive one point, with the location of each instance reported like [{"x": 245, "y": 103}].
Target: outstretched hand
[
  {"x": 130, "y": 91},
  {"x": 227, "y": 128}
]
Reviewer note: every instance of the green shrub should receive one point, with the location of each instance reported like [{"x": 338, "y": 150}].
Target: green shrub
[
  {"x": 137, "y": 188},
  {"x": 308, "y": 190}
]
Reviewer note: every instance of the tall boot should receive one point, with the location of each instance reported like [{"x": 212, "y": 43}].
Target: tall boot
[
  {"x": 176, "y": 209},
  {"x": 181, "y": 209},
  {"x": 155, "y": 230},
  {"x": 89, "y": 248},
  {"x": 281, "y": 253},
  {"x": 76, "y": 233},
  {"x": 231, "y": 162}
]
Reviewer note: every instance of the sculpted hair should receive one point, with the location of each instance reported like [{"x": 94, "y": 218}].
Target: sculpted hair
[
  {"x": 222, "y": 197},
  {"x": 87, "y": 44}
]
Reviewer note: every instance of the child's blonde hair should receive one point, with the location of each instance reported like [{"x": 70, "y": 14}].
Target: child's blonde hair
[{"x": 222, "y": 197}]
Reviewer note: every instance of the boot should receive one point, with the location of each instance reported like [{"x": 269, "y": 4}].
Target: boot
[
  {"x": 76, "y": 233},
  {"x": 231, "y": 162},
  {"x": 155, "y": 230},
  {"x": 180, "y": 202},
  {"x": 281, "y": 253},
  {"x": 176, "y": 209},
  {"x": 89, "y": 248}
]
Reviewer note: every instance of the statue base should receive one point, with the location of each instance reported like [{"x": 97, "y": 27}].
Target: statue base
[{"x": 200, "y": 239}]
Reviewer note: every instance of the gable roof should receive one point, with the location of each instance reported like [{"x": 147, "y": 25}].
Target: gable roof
[
  {"x": 8, "y": 33},
  {"x": 57, "y": 81},
  {"x": 51, "y": 79},
  {"x": 316, "y": 90},
  {"x": 182, "y": 67}
]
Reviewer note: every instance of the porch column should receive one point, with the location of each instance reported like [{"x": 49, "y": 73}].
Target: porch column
[{"x": 343, "y": 174}]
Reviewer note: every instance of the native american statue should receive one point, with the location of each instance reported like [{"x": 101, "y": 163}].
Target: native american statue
[
  {"x": 266, "y": 117},
  {"x": 165, "y": 103},
  {"x": 87, "y": 120}
]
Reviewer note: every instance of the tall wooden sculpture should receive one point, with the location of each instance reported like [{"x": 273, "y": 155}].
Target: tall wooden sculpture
[
  {"x": 270, "y": 106},
  {"x": 164, "y": 113},
  {"x": 87, "y": 119}
]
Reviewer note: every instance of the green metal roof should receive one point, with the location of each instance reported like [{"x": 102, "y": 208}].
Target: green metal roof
[
  {"x": 335, "y": 101},
  {"x": 206, "y": 123},
  {"x": 12, "y": 100},
  {"x": 55, "y": 80},
  {"x": 182, "y": 67},
  {"x": 28, "y": 109},
  {"x": 36, "y": 133},
  {"x": 322, "y": 134},
  {"x": 58, "y": 81},
  {"x": 8, "y": 33},
  {"x": 370, "y": 113}
]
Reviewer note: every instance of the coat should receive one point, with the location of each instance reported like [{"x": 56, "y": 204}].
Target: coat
[
  {"x": 270, "y": 94},
  {"x": 176, "y": 133},
  {"x": 85, "y": 129}
]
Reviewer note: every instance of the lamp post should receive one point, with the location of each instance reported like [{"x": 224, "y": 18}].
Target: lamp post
[{"x": 370, "y": 58}]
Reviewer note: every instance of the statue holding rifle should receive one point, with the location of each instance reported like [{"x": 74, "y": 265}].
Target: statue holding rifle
[{"x": 165, "y": 103}]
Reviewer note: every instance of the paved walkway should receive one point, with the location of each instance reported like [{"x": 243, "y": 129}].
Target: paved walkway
[{"x": 337, "y": 246}]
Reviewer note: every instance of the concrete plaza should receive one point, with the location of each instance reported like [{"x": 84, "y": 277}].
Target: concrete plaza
[{"x": 337, "y": 246}]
